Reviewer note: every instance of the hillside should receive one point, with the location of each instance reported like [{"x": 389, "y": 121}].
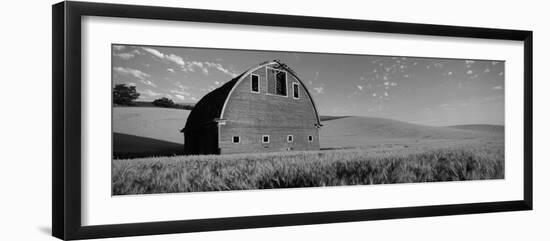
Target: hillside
[
  {"x": 369, "y": 131},
  {"x": 157, "y": 123},
  {"x": 487, "y": 128},
  {"x": 156, "y": 130}
]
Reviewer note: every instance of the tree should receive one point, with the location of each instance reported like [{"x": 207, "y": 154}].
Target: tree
[
  {"x": 164, "y": 102},
  {"x": 124, "y": 94}
]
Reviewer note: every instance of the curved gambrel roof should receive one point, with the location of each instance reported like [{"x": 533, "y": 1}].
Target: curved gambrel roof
[{"x": 211, "y": 107}]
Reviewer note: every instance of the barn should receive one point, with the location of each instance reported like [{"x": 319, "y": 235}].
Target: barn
[{"x": 265, "y": 109}]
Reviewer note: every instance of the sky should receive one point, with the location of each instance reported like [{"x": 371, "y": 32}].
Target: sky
[{"x": 428, "y": 91}]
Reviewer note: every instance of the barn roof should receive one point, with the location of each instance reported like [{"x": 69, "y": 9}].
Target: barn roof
[{"x": 210, "y": 108}]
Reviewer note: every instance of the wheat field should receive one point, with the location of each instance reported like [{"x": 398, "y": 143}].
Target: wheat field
[{"x": 305, "y": 169}]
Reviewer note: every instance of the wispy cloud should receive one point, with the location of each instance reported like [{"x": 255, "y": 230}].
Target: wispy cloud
[
  {"x": 176, "y": 59},
  {"x": 182, "y": 92},
  {"x": 127, "y": 55},
  {"x": 150, "y": 93},
  {"x": 319, "y": 90},
  {"x": 138, "y": 74},
  {"x": 498, "y": 87},
  {"x": 154, "y": 52},
  {"x": 220, "y": 68},
  {"x": 170, "y": 70},
  {"x": 190, "y": 66},
  {"x": 118, "y": 47}
]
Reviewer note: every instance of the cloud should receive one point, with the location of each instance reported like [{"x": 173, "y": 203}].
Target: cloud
[
  {"x": 360, "y": 87},
  {"x": 128, "y": 55},
  {"x": 220, "y": 68},
  {"x": 141, "y": 76},
  {"x": 190, "y": 66},
  {"x": 182, "y": 93},
  {"x": 487, "y": 70},
  {"x": 469, "y": 62},
  {"x": 125, "y": 56},
  {"x": 170, "y": 70},
  {"x": 181, "y": 97},
  {"x": 150, "y": 93},
  {"x": 498, "y": 87},
  {"x": 154, "y": 52},
  {"x": 470, "y": 72},
  {"x": 319, "y": 90},
  {"x": 175, "y": 59},
  {"x": 450, "y": 73},
  {"x": 148, "y": 82},
  {"x": 501, "y": 73},
  {"x": 118, "y": 47}
]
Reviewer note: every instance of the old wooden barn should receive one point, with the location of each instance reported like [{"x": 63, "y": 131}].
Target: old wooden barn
[{"x": 265, "y": 109}]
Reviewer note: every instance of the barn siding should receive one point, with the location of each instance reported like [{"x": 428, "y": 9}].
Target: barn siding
[{"x": 251, "y": 115}]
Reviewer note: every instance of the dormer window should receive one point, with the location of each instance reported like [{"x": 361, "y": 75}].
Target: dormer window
[{"x": 276, "y": 82}]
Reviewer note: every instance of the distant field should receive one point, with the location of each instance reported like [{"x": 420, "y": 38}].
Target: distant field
[{"x": 304, "y": 169}]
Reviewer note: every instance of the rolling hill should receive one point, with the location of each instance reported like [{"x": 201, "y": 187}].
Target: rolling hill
[
  {"x": 481, "y": 127},
  {"x": 156, "y": 123},
  {"x": 134, "y": 127},
  {"x": 369, "y": 131}
]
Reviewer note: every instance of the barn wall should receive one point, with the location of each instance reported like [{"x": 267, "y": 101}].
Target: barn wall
[{"x": 251, "y": 115}]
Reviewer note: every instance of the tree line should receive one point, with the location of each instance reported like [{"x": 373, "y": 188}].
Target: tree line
[{"x": 126, "y": 95}]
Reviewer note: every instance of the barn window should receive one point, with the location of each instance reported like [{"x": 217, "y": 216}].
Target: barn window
[
  {"x": 310, "y": 138},
  {"x": 276, "y": 82},
  {"x": 289, "y": 138},
  {"x": 265, "y": 139},
  {"x": 255, "y": 83},
  {"x": 236, "y": 139},
  {"x": 281, "y": 83},
  {"x": 296, "y": 90}
]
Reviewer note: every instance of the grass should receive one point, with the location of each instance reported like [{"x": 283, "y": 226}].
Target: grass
[{"x": 304, "y": 169}]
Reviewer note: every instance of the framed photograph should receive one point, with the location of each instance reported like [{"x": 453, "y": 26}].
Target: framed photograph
[{"x": 172, "y": 120}]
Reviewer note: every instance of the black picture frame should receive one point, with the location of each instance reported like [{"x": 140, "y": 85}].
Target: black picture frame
[{"x": 66, "y": 127}]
